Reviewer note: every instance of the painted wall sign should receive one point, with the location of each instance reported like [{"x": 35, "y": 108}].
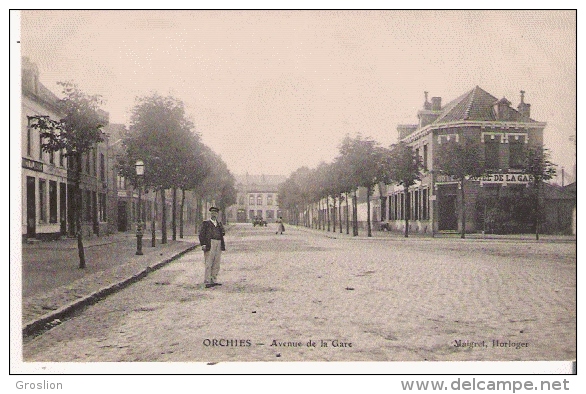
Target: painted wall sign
[
  {"x": 504, "y": 178},
  {"x": 490, "y": 178},
  {"x": 32, "y": 164}
]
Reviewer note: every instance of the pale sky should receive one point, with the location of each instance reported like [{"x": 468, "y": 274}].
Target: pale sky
[{"x": 271, "y": 91}]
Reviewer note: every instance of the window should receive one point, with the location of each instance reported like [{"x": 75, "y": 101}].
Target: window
[
  {"x": 28, "y": 137},
  {"x": 424, "y": 205},
  {"x": 425, "y": 153},
  {"x": 61, "y": 157},
  {"x": 52, "y": 202},
  {"x": 269, "y": 199},
  {"x": 88, "y": 205},
  {"x": 251, "y": 214},
  {"x": 94, "y": 210},
  {"x": 52, "y": 157},
  {"x": 87, "y": 162},
  {"x": 383, "y": 209},
  {"x": 71, "y": 162},
  {"x": 241, "y": 200},
  {"x": 95, "y": 161},
  {"x": 259, "y": 213},
  {"x": 40, "y": 148},
  {"x": 43, "y": 200},
  {"x": 416, "y": 205},
  {"x": 121, "y": 182},
  {"x": 102, "y": 211},
  {"x": 102, "y": 167},
  {"x": 491, "y": 152},
  {"x": 259, "y": 199},
  {"x": 516, "y": 152},
  {"x": 270, "y": 214},
  {"x": 251, "y": 200}
]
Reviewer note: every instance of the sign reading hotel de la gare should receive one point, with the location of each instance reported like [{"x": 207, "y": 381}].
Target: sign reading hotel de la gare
[{"x": 490, "y": 178}]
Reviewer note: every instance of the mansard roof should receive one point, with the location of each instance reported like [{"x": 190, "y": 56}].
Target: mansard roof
[
  {"x": 477, "y": 105},
  {"x": 264, "y": 180}
]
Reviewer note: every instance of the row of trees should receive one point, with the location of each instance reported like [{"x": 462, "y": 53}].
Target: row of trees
[
  {"x": 160, "y": 134},
  {"x": 364, "y": 163},
  {"x": 175, "y": 159}
]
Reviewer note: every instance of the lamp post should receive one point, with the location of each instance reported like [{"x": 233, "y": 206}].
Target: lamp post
[{"x": 139, "y": 166}]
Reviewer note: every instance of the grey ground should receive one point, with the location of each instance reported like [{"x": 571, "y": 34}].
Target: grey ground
[{"x": 393, "y": 299}]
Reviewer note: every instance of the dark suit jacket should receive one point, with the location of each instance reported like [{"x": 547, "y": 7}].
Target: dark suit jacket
[{"x": 205, "y": 234}]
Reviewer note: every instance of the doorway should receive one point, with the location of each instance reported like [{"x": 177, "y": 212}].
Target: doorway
[
  {"x": 447, "y": 215},
  {"x": 31, "y": 208},
  {"x": 63, "y": 208},
  {"x": 122, "y": 216}
]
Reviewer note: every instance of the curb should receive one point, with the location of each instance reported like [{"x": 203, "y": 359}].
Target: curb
[
  {"x": 437, "y": 237},
  {"x": 47, "y": 321}
]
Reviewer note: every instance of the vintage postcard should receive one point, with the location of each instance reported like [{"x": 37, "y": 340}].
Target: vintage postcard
[{"x": 293, "y": 191}]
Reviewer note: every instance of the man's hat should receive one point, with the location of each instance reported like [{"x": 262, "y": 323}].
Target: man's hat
[{"x": 214, "y": 209}]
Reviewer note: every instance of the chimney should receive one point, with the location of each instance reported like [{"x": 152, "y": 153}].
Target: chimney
[
  {"x": 30, "y": 76},
  {"x": 436, "y": 103},
  {"x": 405, "y": 129},
  {"x": 500, "y": 109},
  {"x": 427, "y": 104},
  {"x": 524, "y": 108}
]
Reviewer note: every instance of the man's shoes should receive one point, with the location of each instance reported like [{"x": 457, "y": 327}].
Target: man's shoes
[
  {"x": 208, "y": 285},
  {"x": 216, "y": 284}
]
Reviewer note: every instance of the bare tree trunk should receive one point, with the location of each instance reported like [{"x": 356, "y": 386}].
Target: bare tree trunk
[
  {"x": 163, "y": 217},
  {"x": 340, "y": 212},
  {"x": 196, "y": 197},
  {"x": 368, "y": 211},
  {"x": 78, "y": 212},
  {"x": 407, "y": 210},
  {"x": 463, "y": 209},
  {"x": 347, "y": 215},
  {"x": 153, "y": 223},
  {"x": 537, "y": 213},
  {"x": 319, "y": 214},
  {"x": 328, "y": 211},
  {"x": 355, "y": 214},
  {"x": 174, "y": 215},
  {"x": 181, "y": 213},
  {"x": 334, "y": 215}
]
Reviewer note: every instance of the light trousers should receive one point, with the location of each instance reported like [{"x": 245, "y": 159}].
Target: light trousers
[{"x": 212, "y": 261}]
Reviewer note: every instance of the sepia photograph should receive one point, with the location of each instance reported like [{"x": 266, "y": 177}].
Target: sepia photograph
[{"x": 300, "y": 191}]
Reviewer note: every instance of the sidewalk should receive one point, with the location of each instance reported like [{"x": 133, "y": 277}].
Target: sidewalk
[
  {"x": 53, "y": 286},
  {"x": 376, "y": 234}
]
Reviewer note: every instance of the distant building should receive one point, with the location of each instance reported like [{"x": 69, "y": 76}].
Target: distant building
[
  {"x": 559, "y": 209},
  {"x": 257, "y": 196},
  {"x": 496, "y": 203}
]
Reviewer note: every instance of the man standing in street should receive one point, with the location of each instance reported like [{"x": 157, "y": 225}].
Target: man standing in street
[{"x": 211, "y": 239}]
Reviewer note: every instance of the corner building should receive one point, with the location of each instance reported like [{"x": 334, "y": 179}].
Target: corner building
[
  {"x": 496, "y": 203},
  {"x": 48, "y": 206}
]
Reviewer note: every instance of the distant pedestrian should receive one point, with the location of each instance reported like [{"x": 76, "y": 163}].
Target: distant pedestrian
[
  {"x": 211, "y": 239},
  {"x": 281, "y": 226}
]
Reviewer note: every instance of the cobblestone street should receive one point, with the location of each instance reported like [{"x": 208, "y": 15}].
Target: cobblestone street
[{"x": 383, "y": 299}]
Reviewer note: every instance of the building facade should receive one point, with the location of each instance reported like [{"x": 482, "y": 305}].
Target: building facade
[
  {"x": 48, "y": 206},
  {"x": 497, "y": 202},
  {"x": 44, "y": 175},
  {"x": 257, "y": 197}
]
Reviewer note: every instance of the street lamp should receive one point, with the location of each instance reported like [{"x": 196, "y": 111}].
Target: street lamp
[{"x": 139, "y": 166}]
